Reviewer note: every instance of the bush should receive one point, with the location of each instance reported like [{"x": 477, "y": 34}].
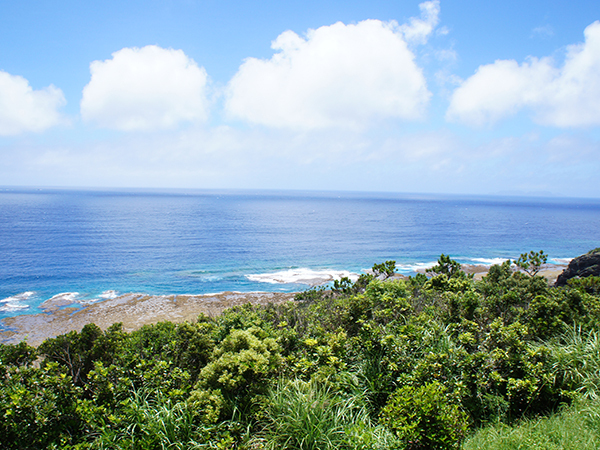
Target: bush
[
  {"x": 38, "y": 407},
  {"x": 429, "y": 355},
  {"x": 240, "y": 367},
  {"x": 20, "y": 354},
  {"x": 576, "y": 361},
  {"x": 425, "y": 417},
  {"x": 78, "y": 351}
]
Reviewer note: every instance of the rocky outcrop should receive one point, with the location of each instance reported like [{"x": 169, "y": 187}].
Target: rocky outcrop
[{"x": 582, "y": 266}]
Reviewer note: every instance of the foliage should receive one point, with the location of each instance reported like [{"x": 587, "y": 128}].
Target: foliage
[
  {"x": 589, "y": 284},
  {"x": 380, "y": 271},
  {"x": 20, "y": 354},
  {"x": 38, "y": 407},
  {"x": 425, "y": 417},
  {"x": 241, "y": 366},
  {"x": 312, "y": 294},
  {"x": 78, "y": 351},
  {"x": 147, "y": 420},
  {"x": 447, "y": 266},
  {"x": 576, "y": 360},
  {"x": 313, "y": 416},
  {"x": 343, "y": 286},
  {"x": 386, "y": 269},
  {"x": 532, "y": 262},
  {"x": 379, "y": 363}
]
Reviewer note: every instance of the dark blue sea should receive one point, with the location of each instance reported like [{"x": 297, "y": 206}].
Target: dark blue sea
[{"x": 95, "y": 244}]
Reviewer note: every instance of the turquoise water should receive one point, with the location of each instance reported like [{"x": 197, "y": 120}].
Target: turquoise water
[{"x": 97, "y": 244}]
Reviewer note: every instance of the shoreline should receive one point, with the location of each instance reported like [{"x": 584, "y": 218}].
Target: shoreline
[{"x": 136, "y": 309}]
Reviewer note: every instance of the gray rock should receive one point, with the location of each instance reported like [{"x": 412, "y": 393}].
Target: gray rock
[{"x": 581, "y": 267}]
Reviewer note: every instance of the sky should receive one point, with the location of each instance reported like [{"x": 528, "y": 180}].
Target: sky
[{"x": 456, "y": 97}]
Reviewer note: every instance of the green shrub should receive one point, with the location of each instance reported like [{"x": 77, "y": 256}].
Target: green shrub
[
  {"x": 425, "y": 417},
  {"x": 38, "y": 407},
  {"x": 206, "y": 405},
  {"x": 20, "y": 354},
  {"x": 242, "y": 358},
  {"x": 240, "y": 368},
  {"x": 310, "y": 295},
  {"x": 589, "y": 284},
  {"x": 79, "y": 351}
]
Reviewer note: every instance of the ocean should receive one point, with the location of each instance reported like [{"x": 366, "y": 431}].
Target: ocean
[{"x": 89, "y": 245}]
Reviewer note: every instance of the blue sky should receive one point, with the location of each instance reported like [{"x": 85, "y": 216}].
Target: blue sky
[{"x": 440, "y": 96}]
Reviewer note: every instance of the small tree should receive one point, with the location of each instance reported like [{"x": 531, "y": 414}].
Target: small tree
[
  {"x": 343, "y": 286},
  {"x": 448, "y": 267},
  {"x": 532, "y": 263},
  {"x": 387, "y": 268}
]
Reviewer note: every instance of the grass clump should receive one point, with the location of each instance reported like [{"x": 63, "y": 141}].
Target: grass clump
[
  {"x": 311, "y": 415},
  {"x": 574, "y": 428},
  {"x": 150, "y": 421}
]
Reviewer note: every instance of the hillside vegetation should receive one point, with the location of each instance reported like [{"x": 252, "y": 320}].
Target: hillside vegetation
[{"x": 441, "y": 361}]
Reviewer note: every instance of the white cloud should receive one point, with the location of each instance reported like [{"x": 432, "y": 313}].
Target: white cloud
[
  {"x": 144, "y": 89},
  {"x": 337, "y": 76},
  {"x": 568, "y": 96},
  {"x": 23, "y": 109},
  {"x": 499, "y": 90},
  {"x": 419, "y": 29}
]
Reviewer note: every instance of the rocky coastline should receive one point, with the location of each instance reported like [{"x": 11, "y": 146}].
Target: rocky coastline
[{"x": 135, "y": 309}]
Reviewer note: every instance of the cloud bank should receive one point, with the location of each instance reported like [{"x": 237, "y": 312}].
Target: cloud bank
[
  {"x": 567, "y": 96},
  {"x": 337, "y": 76},
  {"x": 144, "y": 89},
  {"x": 23, "y": 109}
]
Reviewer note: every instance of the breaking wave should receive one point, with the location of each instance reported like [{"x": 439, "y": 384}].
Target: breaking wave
[
  {"x": 489, "y": 261},
  {"x": 302, "y": 276},
  {"x": 16, "y": 302}
]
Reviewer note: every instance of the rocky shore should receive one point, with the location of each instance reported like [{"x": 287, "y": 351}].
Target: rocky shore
[
  {"x": 133, "y": 310},
  {"x": 136, "y": 310}
]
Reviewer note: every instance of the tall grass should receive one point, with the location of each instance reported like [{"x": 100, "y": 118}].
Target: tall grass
[
  {"x": 151, "y": 421},
  {"x": 576, "y": 356},
  {"x": 309, "y": 415},
  {"x": 574, "y": 428}
]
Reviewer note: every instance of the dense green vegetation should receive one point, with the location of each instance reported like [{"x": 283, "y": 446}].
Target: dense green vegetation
[{"x": 441, "y": 361}]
